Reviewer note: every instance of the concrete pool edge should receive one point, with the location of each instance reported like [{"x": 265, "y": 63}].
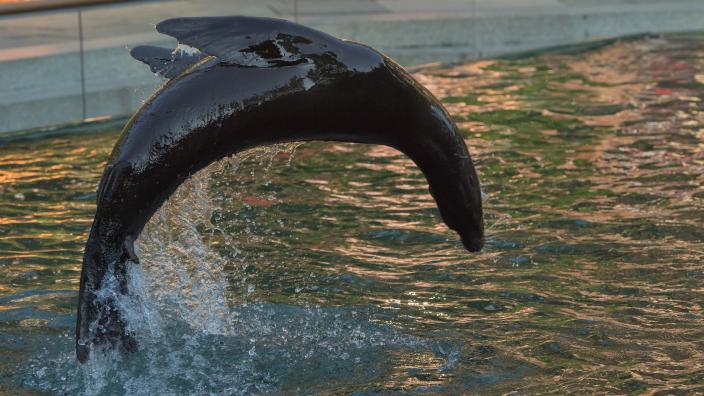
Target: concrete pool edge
[
  {"x": 79, "y": 127},
  {"x": 47, "y": 5}
]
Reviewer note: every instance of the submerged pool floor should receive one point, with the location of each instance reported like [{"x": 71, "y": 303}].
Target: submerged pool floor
[{"x": 324, "y": 268}]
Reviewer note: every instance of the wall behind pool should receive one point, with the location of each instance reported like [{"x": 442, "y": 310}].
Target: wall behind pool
[{"x": 47, "y": 80}]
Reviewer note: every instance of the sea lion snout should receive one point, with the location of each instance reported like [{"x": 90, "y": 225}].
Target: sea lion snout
[{"x": 473, "y": 242}]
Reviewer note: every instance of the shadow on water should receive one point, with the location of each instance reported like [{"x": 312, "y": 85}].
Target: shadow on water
[{"x": 325, "y": 267}]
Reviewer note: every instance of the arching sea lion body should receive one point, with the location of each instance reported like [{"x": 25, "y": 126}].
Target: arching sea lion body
[{"x": 258, "y": 81}]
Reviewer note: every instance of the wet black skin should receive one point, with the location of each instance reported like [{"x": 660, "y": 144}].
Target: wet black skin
[{"x": 216, "y": 109}]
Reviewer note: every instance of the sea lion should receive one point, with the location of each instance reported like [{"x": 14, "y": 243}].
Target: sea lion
[{"x": 251, "y": 82}]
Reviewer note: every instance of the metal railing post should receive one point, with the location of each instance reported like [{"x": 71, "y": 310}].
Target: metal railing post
[
  {"x": 295, "y": 11},
  {"x": 83, "y": 74}
]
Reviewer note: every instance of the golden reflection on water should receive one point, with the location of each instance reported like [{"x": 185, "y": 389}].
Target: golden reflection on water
[
  {"x": 636, "y": 179},
  {"x": 592, "y": 278}
]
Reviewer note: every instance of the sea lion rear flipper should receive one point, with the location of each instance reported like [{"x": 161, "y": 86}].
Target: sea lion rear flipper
[
  {"x": 250, "y": 41},
  {"x": 166, "y": 62}
]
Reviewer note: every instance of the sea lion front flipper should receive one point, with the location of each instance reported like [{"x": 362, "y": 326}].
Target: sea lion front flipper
[{"x": 166, "y": 62}]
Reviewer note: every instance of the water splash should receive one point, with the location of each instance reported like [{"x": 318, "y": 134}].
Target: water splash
[{"x": 184, "y": 250}]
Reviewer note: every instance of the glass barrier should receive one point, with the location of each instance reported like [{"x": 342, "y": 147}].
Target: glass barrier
[{"x": 63, "y": 65}]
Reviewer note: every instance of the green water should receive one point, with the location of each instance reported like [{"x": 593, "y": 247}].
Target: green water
[{"x": 325, "y": 268}]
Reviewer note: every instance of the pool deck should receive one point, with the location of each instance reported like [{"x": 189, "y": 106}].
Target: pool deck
[{"x": 40, "y": 62}]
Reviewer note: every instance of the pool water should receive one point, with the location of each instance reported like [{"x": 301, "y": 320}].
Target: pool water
[{"x": 325, "y": 268}]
